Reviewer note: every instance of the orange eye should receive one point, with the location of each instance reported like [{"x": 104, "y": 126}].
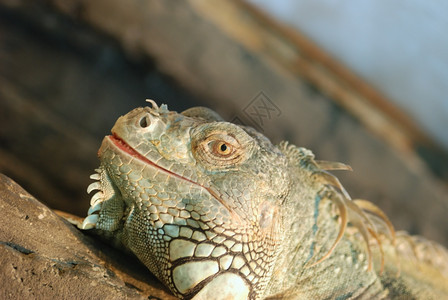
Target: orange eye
[
  {"x": 219, "y": 149},
  {"x": 222, "y": 148}
]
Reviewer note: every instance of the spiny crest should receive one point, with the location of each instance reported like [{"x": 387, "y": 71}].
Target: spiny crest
[
  {"x": 364, "y": 215},
  {"x": 302, "y": 155}
]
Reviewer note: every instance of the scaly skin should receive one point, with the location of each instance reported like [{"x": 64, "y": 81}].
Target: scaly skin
[{"x": 216, "y": 211}]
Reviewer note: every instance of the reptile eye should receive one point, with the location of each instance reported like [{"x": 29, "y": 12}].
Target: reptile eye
[{"x": 221, "y": 148}]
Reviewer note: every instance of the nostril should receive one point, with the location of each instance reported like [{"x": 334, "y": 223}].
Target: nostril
[{"x": 145, "y": 121}]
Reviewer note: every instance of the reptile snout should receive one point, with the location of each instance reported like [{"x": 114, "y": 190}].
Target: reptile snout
[{"x": 140, "y": 123}]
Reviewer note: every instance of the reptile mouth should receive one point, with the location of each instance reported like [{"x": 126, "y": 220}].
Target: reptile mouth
[{"x": 123, "y": 146}]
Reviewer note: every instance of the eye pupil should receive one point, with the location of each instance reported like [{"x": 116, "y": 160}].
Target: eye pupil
[{"x": 223, "y": 147}]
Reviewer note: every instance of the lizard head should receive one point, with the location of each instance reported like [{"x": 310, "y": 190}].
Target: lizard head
[{"x": 197, "y": 199}]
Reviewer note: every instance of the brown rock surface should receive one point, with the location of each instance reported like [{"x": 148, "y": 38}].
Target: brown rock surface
[{"x": 42, "y": 256}]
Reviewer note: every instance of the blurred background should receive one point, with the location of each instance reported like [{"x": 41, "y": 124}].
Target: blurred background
[
  {"x": 398, "y": 47},
  {"x": 360, "y": 82}
]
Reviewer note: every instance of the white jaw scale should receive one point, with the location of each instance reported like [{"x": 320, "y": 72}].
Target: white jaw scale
[{"x": 96, "y": 201}]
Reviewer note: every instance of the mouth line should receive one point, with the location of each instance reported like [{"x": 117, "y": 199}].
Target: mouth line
[{"x": 123, "y": 146}]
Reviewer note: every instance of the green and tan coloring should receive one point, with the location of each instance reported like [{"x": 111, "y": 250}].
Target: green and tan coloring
[{"x": 216, "y": 211}]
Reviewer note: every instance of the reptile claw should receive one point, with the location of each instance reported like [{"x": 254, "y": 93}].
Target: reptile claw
[
  {"x": 95, "y": 176},
  {"x": 98, "y": 197},
  {"x": 94, "y": 208},
  {"x": 93, "y": 186},
  {"x": 89, "y": 222}
]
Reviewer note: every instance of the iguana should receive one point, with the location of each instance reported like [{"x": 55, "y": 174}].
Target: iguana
[{"x": 216, "y": 211}]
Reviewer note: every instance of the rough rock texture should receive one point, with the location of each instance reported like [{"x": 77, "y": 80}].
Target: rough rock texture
[{"x": 42, "y": 257}]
